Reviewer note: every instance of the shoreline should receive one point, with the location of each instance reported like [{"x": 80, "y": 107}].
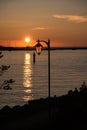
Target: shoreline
[
  {"x": 3, "y": 48},
  {"x": 65, "y": 112}
]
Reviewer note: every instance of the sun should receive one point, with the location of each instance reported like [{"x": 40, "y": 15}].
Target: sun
[{"x": 27, "y": 39}]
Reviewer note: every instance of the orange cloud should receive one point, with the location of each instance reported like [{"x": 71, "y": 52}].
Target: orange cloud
[
  {"x": 39, "y": 28},
  {"x": 74, "y": 18}
]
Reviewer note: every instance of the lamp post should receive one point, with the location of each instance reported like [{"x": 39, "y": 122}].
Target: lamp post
[{"x": 38, "y": 47}]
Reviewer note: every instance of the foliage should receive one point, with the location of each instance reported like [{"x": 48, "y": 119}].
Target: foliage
[{"x": 6, "y": 83}]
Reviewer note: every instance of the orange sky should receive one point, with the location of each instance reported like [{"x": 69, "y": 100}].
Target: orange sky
[{"x": 63, "y": 22}]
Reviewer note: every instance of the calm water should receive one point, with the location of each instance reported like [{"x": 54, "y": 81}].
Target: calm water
[{"x": 68, "y": 70}]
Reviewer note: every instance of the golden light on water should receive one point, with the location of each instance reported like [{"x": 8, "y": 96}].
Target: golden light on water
[{"x": 27, "y": 82}]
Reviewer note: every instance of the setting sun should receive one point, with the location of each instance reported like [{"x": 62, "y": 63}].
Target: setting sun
[{"x": 27, "y": 39}]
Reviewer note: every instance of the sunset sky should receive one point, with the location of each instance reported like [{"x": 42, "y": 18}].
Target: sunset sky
[{"x": 64, "y": 22}]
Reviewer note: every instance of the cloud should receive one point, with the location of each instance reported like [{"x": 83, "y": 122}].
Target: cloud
[
  {"x": 39, "y": 28},
  {"x": 73, "y": 18}
]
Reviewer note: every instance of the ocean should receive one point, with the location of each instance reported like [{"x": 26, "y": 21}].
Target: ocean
[{"x": 68, "y": 70}]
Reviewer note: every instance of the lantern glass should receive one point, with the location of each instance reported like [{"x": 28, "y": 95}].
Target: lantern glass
[{"x": 38, "y": 49}]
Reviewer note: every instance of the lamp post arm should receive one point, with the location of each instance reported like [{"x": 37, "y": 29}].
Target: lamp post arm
[{"x": 47, "y": 43}]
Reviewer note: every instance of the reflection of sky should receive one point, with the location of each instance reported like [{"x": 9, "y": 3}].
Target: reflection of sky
[{"x": 27, "y": 76}]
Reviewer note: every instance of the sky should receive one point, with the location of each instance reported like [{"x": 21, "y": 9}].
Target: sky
[{"x": 64, "y": 22}]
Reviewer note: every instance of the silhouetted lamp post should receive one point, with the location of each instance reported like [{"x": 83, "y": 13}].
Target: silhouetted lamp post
[{"x": 38, "y": 47}]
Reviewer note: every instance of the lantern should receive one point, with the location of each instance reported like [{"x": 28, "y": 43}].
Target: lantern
[{"x": 38, "y": 47}]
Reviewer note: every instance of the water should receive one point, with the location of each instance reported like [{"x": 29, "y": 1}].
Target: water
[{"x": 68, "y": 70}]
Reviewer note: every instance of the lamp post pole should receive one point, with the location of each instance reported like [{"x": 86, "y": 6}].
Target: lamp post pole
[
  {"x": 48, "y": 45},
  {"x": 49, "y": 68}
]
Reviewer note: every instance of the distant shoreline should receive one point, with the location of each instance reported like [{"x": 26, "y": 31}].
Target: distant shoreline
[{"x": 3, "y": 48}]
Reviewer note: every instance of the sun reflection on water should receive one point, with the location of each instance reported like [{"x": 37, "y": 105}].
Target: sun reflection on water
[{"x": 27, "y": 77}]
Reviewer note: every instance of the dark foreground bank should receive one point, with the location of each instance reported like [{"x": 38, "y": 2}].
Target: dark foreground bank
[{"x": 57, "y": 113}]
